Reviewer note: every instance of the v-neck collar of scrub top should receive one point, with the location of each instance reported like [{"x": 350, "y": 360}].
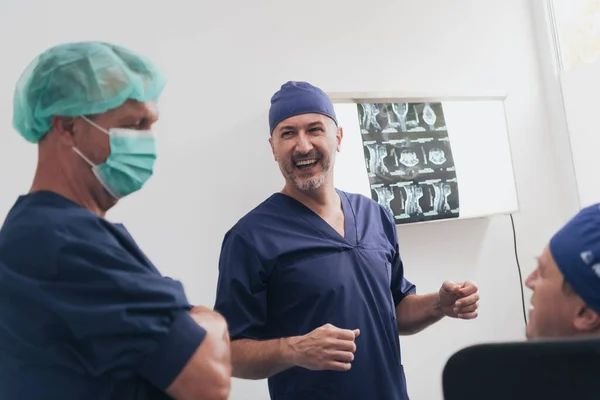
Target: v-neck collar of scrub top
[{"x": 350, "y": 229}]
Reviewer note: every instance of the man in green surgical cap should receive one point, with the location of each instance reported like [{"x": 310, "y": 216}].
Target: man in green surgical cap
[{"x": 83, "y": 313}]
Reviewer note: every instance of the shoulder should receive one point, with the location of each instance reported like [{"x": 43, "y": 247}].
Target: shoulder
[
  {"x": 359, "y": 199},
  {"x": 53, "y": 224},
  {"x": 274, "y": 207},
  {"x": 262, "y": 219},
  {"x": 39, "y": 210},
  {"x": 267, "y": 230},
  {"x": 362, "y": 204},
  {"x": 367, "y": 209},
  {"x": 35, "y": 221},
  {"x": 37, "y": 231}
]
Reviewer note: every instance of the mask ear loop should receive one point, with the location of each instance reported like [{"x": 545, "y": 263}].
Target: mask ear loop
[
  {"x": 95, "y": 125},
  {"x": 87, "y": 160}
]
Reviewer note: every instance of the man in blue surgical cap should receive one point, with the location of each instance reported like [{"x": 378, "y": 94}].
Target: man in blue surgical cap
[
  {"x": 84, "y": 314},
  {"x": 311, "y": 281},
  {"x": 566, "y": 282}
]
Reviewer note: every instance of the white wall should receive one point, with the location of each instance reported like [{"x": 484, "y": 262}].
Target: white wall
[
  {"x": 580, "y": 87},
  {"x": 564, "y": 171},
  {"x": 225, "y": 59}
]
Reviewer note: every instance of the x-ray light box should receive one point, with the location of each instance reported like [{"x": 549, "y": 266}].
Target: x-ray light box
[{"x": 424, "y": 158}]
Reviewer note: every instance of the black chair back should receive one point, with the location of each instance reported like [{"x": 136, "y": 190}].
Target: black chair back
[{"x": 566, "y": 369}]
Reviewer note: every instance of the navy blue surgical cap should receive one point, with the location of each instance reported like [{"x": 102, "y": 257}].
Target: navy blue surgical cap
[
  {"x": 295, "y": 98},
  {"x": 576, "y": 250}
]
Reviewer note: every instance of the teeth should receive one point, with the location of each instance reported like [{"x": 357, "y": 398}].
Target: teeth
[{"x": 305, "y": 162}]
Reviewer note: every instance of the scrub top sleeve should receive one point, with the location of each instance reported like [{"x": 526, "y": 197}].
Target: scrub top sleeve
[
  {"x": 124, "y": 318},
  {"x": 173, "y": 351},
  {"x": 241, "y": 288},
  {"x": 400, "y": 286}
]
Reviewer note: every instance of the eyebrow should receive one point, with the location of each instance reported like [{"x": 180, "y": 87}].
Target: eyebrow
[
  {"x": 286, "y": 128},
  {"x": 311, "y": 125}
]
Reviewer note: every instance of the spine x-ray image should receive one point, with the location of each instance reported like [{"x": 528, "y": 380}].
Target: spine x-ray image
[{"x": 409, "y": 160}]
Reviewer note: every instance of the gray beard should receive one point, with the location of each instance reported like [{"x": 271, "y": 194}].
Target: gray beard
[{"x": 310, "y": 184}]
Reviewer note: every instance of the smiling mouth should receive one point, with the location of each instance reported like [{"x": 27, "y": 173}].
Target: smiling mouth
[{"x": 305, "y": 164}]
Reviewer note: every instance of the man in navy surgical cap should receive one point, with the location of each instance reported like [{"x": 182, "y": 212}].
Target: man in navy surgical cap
[
  {"x": 311, "y": 281},
  {"x": 566, "y": 282}
]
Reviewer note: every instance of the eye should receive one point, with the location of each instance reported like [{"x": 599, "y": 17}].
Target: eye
[
  {"x": 144, "y": 123},
  {"x": 318, "y": 129},
  {"x": 539, "y": 273},
  {"x": 286, "y": 133}
]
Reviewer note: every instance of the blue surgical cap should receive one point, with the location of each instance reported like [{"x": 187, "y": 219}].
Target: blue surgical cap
[
  {"x": 81, "y": 78},
  {"x": 295, "y": 98},
  {"x": 576, "y": 250}
]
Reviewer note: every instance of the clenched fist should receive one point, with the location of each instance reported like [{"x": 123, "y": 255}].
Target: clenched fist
[{"x": 325, "y": 348}]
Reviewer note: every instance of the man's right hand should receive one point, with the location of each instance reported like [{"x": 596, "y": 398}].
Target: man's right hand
[{"x": 325, "y": 348}]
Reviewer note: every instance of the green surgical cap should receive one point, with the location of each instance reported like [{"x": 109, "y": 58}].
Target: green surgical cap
[{"x": 83, "y": 78}]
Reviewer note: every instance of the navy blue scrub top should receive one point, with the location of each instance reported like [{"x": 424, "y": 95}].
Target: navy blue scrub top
[
  {"x": 284, "y": 271},
  {"x": 83, "y": 313}
]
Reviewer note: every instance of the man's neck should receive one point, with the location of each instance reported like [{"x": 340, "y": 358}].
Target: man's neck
[
  {"x": 323, "y": 200},
  {"x": 56, "y": 179}
]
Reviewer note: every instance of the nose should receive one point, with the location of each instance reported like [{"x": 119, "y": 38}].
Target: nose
[
  {"x": 530, "y": 281},
  {"x": 303, "y": 143}
]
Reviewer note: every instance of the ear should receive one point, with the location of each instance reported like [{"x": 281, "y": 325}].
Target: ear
[
  {"x": 64, "y": 128},
  {"x": 587, "y": 320},
  {"x": 339, "y": 137},
  {"x": 272, "y": 148}
]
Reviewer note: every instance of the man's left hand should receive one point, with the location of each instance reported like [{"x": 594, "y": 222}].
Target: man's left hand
[{"x": 459, "y": 300}]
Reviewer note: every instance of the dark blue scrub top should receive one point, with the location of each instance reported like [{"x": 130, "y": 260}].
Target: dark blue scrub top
[
  {"x": 83, "y": 313},
  {"x": 284, "y": 271}
]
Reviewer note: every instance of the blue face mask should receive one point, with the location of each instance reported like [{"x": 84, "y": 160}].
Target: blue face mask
[{"x": 131, "y": 160}]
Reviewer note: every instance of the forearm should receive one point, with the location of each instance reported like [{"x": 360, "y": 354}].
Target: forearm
[
  {"x": 256, "y": 359},
  {"x": 416, "y": 312},
  {"x": 207, "y": 374}
]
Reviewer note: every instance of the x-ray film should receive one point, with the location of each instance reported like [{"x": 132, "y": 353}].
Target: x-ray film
[{"x": 409, "y": 160}]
